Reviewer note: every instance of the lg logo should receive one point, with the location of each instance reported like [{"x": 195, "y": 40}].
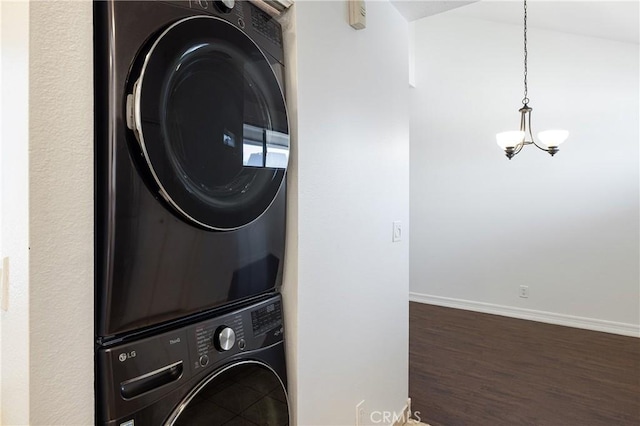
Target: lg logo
[{"x": 126, "y": 355}]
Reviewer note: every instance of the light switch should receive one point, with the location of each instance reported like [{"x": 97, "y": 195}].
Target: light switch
[{"x": 397, "y": 231}]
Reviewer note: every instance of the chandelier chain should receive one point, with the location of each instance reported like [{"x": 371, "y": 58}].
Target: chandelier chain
[{"x": 525, "y": 99}]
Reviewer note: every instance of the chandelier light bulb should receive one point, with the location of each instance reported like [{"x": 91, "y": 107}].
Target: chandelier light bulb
[
  {"x": 553, "y": 138},
  {"x": 509, "y": 139}
]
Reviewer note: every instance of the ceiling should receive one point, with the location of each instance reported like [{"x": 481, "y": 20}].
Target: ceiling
[
  {"x": 614, "y": 20},
  {"x": 416, "y": 9}
]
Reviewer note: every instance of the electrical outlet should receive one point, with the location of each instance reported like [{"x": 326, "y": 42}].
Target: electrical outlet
[
  {"x": 360, "y": 413},
  {"x": 524, "y": 291}
]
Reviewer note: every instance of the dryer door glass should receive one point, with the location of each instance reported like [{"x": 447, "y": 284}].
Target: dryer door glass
[
  {"x": 211, "y": 120},
  {"x": 245, "y": 394}
]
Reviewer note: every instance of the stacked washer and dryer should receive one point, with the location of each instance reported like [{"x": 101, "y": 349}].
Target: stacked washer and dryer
[{"x": 191, "y": 150}]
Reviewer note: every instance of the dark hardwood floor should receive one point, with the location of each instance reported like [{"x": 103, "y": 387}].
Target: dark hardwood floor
[{"x": 468, "y": 368}]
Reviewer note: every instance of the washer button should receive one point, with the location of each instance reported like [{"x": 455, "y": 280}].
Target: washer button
[
  {"x": 204, "y": 360},
  {"x": 242, "y": 344}
]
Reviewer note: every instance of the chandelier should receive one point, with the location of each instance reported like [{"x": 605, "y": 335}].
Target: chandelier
[{"x": 512, "y": 142}]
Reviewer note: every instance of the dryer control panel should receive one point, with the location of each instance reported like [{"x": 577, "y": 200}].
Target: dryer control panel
[{"x": 251, "y": 19}]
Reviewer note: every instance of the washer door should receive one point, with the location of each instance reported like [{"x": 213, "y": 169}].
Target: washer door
[
  {"x": 211, "y": 122},
  {"x": 247, "y": 393}
]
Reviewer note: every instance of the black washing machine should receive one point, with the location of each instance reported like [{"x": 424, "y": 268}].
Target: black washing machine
[
  {"x": 191, "y": 151},
  {"x": 227, "y": 370}
]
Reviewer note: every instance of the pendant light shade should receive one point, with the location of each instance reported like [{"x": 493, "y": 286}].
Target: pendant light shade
[
  {"x": 553, "y": 138},
  {"x": 510, "y": 139}
]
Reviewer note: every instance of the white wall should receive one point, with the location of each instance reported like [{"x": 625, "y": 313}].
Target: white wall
[
  {"x": 14, "y": 146},
  {"x": 61, "y": 212},
  {"x": 567, "y": 226},
  {"x": 352, "y": 159}
]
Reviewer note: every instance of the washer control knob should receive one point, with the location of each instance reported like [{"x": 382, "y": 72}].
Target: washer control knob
[
  {"x": 225, "y": 5},
  {"x": 224, "y": 338}
]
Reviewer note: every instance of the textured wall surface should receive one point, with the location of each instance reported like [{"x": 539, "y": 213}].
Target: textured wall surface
[
  {"x": 353, "y": 178},
  {"x": 61, "y": 213},
  {"x": 567, "y": 226}
]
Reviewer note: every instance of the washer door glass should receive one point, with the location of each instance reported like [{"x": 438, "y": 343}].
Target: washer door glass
[
  {"x": 244, "y": 394},
  {"x": 210, "y": 117}
]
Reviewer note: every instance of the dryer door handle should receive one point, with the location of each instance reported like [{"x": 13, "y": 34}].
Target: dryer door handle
[{"x": 147, "y": 382}]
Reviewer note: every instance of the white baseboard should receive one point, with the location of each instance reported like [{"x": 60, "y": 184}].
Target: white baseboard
[{"x": 621, "y": 328}]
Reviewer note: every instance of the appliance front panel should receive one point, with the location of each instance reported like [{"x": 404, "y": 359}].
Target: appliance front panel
[
  {"x": 152, "y": 265},
  {"x": 163, "y": 378}
]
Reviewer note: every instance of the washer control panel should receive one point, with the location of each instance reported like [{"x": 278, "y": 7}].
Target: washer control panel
[{"x": 247, "y": 329}]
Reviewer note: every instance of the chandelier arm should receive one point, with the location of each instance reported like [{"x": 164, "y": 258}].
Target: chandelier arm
[
  {"x": 540, "y": 147},
  {"x": 518, "y": 148},
  {"x": 529, "y": 130},
  {"x": 533, "y": 141},
  {"x": 512, "y": 151}
]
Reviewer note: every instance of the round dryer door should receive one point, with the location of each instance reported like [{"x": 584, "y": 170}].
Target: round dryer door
[
  {"x": 247, "y": 393},
  {"x": 210, "y": 119}
]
